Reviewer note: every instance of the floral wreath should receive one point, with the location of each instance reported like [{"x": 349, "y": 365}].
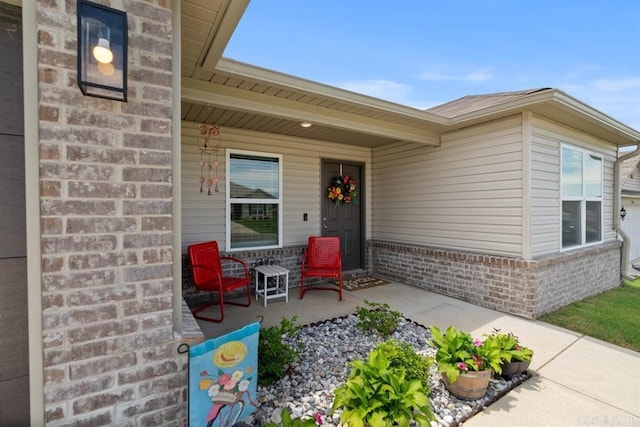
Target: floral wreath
[{"x": 343, "y": 190}]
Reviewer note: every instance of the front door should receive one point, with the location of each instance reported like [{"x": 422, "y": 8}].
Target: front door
[{"x": 343, "y": 219}]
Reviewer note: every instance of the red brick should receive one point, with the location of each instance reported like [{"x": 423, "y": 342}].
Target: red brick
[
  {"x": 103, "y": 121},
  {"x": 51, "y": 225},
  {"x": 148, "y": 305},
  {"x": 48, "y": 75},
  {"x": 102, "y": 190},
  {"x": 92, "y": 296},
  {"x": 150, "y": 272},
  {"x": 150, "y": 142},
  {"x": 54, "y": 413},
  {"x": 79, "y": 388},
  {"x": 157, "y": 256},
  {"x": 81, "y": 279},
  {"x": 95, "y": 367},
  {"x": 143, "y": 174},
  {"x": 83, "y": 172},
  {"x": 156, "y": 191},
  {"x": 155, "y": 158},
  {"x": 157, "y": 223},
  {"x": 49, "y": 152},
  {"x": 54, "y": 375},
  {"x": 49, "y": 113},
  {"x": 150, "y": 125},
  {"x": 100, "y": 225},
  {"x": 102, "y": 155},
  {"x": 81, "y": 135},
  {"x": 148, "y": 372},
  {"x": 64, "y": 244},
  {"x": 101, "y": 400},
  {"x": 162, "y": 207}
]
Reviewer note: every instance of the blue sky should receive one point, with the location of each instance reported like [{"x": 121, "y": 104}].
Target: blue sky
[{"x": 422, "y": 53}]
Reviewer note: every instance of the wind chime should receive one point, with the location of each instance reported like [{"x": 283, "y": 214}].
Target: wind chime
[{"x": 209, "y": 147}]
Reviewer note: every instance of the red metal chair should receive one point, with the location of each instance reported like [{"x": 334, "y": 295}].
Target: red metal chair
[
  {"x": 206, "y": 269},
  {"x": 322, "y": 259}
]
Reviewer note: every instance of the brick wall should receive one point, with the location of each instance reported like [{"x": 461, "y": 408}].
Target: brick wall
[
  {"x": 527, "y": 288},
  {"x": 106, "y": 210},
  {"x": 574, "y": 275}
]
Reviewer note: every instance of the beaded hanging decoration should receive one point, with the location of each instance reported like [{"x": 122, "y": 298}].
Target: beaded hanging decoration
[{"x": 209, "y": 147}]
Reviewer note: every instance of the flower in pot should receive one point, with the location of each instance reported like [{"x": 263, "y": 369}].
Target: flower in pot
[
  {"x": 465, "y": 363},
  {"x": 515, "y": 357}
]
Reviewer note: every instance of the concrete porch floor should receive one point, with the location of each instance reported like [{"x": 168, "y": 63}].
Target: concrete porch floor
[{"x": 578, "y": 380}]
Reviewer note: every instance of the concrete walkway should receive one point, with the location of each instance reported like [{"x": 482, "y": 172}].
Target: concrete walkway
[{"x": 578, "y": 381}]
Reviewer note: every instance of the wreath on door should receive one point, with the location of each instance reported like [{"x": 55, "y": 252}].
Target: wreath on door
[{"x": 343, "y": 190}]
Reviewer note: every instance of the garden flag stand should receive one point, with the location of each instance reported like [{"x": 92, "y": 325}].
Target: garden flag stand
[{"x": 223, "y": 378}]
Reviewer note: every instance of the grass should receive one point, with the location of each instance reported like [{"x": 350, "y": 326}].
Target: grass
[{"x": 613, "y": 316}]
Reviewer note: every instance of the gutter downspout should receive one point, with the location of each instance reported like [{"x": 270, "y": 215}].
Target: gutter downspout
[{"x": 624, "y": 258}]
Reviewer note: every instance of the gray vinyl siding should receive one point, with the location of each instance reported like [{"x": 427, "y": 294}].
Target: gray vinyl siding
[
  {"x": 546, "y": 141},
  {"x": 465, "y": 194},
  {"x": 545, "y": 192},
  {"x": 203, "y": 217}
]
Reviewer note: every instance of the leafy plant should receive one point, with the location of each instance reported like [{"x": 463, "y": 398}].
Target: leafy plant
[
  {"x": 380, "y": 395},
  {"x": 510, "y": 347},
  {"x": 457, "y": 352},
  {"x": 402, "y": 355},
  {"x": 378, "y": 317},
  {"x": 275, "y": 357},
  {"x": 287, "y": 421}
]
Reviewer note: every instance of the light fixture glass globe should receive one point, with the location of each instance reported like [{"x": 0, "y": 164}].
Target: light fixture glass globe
[
  {"x": 106, "y": 69},
  {"x": 102, "y": 52}
]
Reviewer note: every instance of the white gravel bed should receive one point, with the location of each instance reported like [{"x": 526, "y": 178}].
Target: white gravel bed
[{"x": 327, "y": 349}]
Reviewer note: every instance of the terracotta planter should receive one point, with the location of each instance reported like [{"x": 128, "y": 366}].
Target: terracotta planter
[
  {"x": 470, "y": 385},
  {"x": 511, "y": 369}
]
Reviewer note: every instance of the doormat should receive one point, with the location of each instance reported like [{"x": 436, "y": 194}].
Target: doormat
[{"x": 363, "y": 282}]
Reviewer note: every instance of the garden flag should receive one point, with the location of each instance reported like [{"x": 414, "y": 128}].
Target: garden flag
[{"x": 223, "y": 378}]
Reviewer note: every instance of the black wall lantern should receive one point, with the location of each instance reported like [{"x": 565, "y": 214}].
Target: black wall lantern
[
  {"x": 102, "y": 51},
  {"x": 623, "y": 213}
]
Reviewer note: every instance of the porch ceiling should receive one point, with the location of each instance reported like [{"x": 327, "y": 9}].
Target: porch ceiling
[{"x": 231, "y": 94}]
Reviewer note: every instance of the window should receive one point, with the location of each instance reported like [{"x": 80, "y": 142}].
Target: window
[
  {"x": 254, "y": 209},
  {"x": 581, "y": 198}
]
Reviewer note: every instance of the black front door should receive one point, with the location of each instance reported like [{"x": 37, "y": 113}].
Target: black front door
[{"x": 343, "y": 220}]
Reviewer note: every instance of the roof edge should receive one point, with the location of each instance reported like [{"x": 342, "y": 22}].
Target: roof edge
[
  {"x": 267, "y": 76},
  {"x": 562, "y": 99}
]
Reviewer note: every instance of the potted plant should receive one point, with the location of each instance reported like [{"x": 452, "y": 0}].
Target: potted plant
[
  {"x": 516, "y": 358},
  {"x": 465, "y": 363}
]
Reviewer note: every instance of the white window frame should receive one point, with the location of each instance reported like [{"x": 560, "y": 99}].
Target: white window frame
[
  {"x": 582, "y": 199},
  {"x": 229, "y": 200}
]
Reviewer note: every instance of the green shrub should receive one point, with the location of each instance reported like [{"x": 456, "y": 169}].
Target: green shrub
[
  {"x": 378, "y": 318},
  {"x": 380, "y": 395},
  {"x": 402, "y": 355},
  {"x": 275, "y": 357}
]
